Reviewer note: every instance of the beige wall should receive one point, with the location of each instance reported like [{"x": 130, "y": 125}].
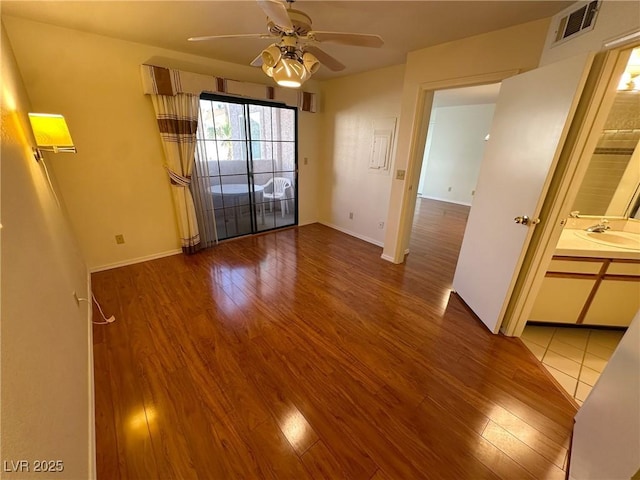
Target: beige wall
[
  {"x": 309, "y": 147},
  {"x": 458, "y": 62},
  {"x": 46, "y": 404},
  {"x": 615, "y": 18},
  {"x": 350, "y": 105},
  {"x": 116, "y": 183}
]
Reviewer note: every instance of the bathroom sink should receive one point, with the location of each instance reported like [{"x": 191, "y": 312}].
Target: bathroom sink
[{"x": 626, "y": 240}]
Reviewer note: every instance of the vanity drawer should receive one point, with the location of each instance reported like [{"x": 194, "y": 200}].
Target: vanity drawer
[
  {"x": 574, "y": 266},
  {"x": 624, "y": 268}
]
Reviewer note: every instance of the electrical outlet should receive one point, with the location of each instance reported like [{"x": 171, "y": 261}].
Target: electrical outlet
[
  {"x": 400, "y": 174},
  {"x": 380, "y": 225},
  {"x": 350, "y": 215},
  {"x": 449, "y": 189},
  {"x": 120, "y": 239},
  {"x": 473, "y": 192},
  {"x": 306, "y": 161}
]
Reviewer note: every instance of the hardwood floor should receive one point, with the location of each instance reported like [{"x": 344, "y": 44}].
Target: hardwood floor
[{"x": 301, "y": 354}]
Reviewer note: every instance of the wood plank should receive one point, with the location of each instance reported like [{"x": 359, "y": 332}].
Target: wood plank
[
  {"x": 459, "y": 444},
  {"x": 208, "y": 453},
  {"x": 135, "y": 450},
  {"x": 106, "y": 443},
  {"x": 531, "y": 460},
  {"x": 346, "y": 449},
  {"x": 275, "y": 456},
  {"x": 170, "y": 445},
  {"x": 321, "y": 464}
]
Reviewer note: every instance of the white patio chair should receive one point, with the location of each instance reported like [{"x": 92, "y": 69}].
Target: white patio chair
[{"x": 277, "y": 191}]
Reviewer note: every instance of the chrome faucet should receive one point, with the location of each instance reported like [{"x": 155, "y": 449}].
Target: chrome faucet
[{"x": 600, "y": 227}]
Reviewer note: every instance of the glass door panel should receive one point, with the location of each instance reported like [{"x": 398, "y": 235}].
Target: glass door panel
[{"x": 245, "y": 172}]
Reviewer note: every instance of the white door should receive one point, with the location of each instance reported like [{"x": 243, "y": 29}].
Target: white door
[{"x": 532, "y": 117}]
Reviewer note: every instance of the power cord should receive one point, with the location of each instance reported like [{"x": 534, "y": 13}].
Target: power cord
[
  {"x": 53, "y": 191},
  {"x": 107, "y": 321},
  {"x": 111, "y": 319}
]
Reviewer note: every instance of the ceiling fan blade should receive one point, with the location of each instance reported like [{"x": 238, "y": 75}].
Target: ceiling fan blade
[
  {"x": 257, "y": 62},
  {"x": 325, "y": 59},
  {"x": 277, "y": 12},
  {"x": 355, "y": 39},
  {"x": 241, "y": 35}
]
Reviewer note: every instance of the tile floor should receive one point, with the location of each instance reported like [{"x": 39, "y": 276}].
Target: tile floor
[{"x": 574, "y": 356}]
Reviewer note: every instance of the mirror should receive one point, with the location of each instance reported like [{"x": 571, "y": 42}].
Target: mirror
[{"x": 611, "y": 186}]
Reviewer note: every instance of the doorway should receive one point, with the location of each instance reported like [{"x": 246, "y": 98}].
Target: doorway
[
  {"x": 245, "y": 175},
  {"x": 591, "y": 289},
  {"x": 459, "y": 123},
  {"x": 458, "y": 127}
]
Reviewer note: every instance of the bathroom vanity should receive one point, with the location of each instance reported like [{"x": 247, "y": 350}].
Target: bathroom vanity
[
  {"x": 594, "y": 275},
  {"x": 593, "y": 279}
]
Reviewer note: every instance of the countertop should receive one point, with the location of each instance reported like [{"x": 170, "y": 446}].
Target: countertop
[{"x": 572, "y": 245}]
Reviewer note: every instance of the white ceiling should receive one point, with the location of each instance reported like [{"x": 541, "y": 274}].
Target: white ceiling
[
  {"x": 478, "y": 95},
  {"x": 404, "y": 25}
]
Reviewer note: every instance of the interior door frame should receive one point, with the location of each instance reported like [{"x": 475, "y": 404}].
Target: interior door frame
[
  {"x": 418, "y": 140},
  {"x": 566, "y": 180}
]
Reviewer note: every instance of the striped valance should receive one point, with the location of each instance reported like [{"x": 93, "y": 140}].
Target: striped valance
[{"x": 168, "y": 81}]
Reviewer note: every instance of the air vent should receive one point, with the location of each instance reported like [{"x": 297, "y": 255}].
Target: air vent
[{"x": 577, "y": 22}]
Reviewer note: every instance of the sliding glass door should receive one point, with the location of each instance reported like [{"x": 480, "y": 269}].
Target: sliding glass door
[{"x": 245, "y": 175}]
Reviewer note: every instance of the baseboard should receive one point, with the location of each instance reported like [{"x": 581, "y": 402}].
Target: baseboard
[
  {"x": 308, "y": 222},
  {"x": 92, "y": 402},
  {"x": 354, "y": 234},
  {"x": 132, "y": 261},
  {"x": 389, "y": 258},
  {"x": 447, "y": 200},
  {"x": 386, "y": 257}
]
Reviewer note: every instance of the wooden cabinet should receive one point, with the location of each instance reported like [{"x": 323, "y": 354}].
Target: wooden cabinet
[
  {"x": 561, "y": 299},
  {"x": 615, "y": 303},
  {"x": 590, "y": 291}
]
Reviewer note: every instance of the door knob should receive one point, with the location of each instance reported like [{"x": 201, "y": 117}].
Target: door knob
[{"x": 524, "y": 220}]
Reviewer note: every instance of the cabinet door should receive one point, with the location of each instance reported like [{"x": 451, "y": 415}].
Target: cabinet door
[
  {"x": 561, "y": 299},
  {"x": 616, "y": 302}
]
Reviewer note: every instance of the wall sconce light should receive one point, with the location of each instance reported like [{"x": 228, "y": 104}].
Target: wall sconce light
[{"x": 51, "y": 134}]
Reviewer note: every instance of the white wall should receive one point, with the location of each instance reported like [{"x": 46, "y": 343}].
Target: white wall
[
  {"x": 615, "y": 18},
  {"x": 46, "y": 390},
  {"x": 350, "y": 106},
  {"x": 606, "y": 437},
  {"x": 116, "y": 183},
  {"x": 451, "y": 165},
  {"x": 427, "y": 148}
]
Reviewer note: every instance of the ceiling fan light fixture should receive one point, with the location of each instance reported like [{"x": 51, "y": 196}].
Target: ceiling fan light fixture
[
  {"x": 267, "y": 70},
  {"x": 271, "y": 55},
  {"x": 311, "y": 63},
  {"x": 290, "y": 72}
]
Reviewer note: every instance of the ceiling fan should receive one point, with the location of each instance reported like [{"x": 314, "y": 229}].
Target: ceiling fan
[{"x": 294, "y": 56}]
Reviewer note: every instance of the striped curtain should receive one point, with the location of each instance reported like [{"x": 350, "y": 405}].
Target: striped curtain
[{"x": 177, "y": 117}]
